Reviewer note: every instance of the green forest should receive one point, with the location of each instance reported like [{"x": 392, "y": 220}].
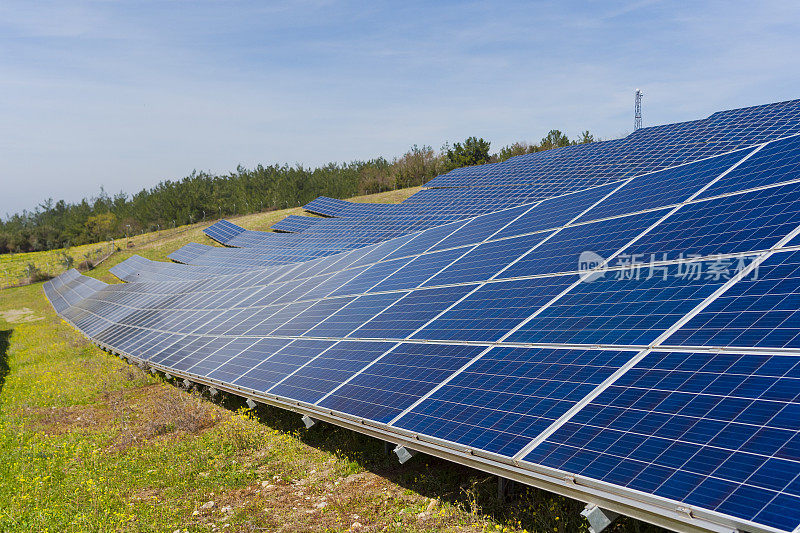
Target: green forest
[{"x": 203, "y": 196}]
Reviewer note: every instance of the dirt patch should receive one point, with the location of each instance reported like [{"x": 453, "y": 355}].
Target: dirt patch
[
  {"x": 359, "y": 502},
  {"x": 154, "y": 411},
  {"x": 60, "y": 420},
  {"x": 18, "y": 316}
]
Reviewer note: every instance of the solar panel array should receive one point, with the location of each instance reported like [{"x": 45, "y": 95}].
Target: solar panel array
[
  {"x": 634, "y": 342},
  {"x": 471, "y": 191}
]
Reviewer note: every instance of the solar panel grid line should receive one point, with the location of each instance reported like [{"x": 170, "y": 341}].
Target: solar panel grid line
[
  {"x": 477, "y": 287},
  {"x": 580, "y": 405},
  {"x": 606, "y": 260},
  {"x": 304, "y": 365},
  {"x": 444, "y": 382},
  {"x": 210, "y": 354},
  {"x": 365, "y": 368},
  {"x": 703, "y": 188},
  {"x": 379, "y": 313},
  {"x": 666, "y": 334},
  {"x": 224, "y": 362}
]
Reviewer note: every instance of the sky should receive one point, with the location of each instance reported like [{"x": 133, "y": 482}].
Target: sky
[{"x": 122, "y": 95}]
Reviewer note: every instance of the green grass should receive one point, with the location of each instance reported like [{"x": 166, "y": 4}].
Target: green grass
[{"x": 90, "y": 443}]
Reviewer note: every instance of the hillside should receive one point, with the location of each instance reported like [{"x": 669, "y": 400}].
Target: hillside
[
  {"x": 153, "y": 245},
  {"x": 93, "y": 443}
]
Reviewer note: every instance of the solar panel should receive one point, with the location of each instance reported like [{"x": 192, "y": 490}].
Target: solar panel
[
  {"x": 629, "y": 324},
  {"x": 717, "y": 431}
]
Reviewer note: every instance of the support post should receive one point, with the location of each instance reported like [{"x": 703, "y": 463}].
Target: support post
[
  {"x": 598, "y": 518},
  {"x": 387, "y": 448},
  {"x": 503, "y": 486}
]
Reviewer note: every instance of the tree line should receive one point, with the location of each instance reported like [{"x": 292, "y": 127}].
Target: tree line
[{"x": 204, "y": 196}]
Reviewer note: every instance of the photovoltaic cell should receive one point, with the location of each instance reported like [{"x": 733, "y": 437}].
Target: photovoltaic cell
[
  {"x": 665, "y": 187},
  {"x": 617, "y": 311},
  {"x": 353, "y": 315},
  {"x": 282, "y": 363},
  {"x": 717, "y": 431},
  {"x": 565, "y": 250},
  {"x": 494, "y": 309},
  {"x": 393, "y": 383},
  {"x": 776, "y": 162},
  {"x": 761, "y": 310},
  {"x": 484, "y": 261},
  {"x": 411, "y": 312},
  {"x": 419, "y": 269},
  {"x": 333, "y": 367},
  {"x": 733, "y": 224},
  {"x": 248, "y": 358},
  {"x": 510, "y": 395},
  {"x": 556, "y": 211}
]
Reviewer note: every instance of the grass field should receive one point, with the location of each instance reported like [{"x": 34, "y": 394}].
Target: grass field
[{"x": 90, "y": 443}]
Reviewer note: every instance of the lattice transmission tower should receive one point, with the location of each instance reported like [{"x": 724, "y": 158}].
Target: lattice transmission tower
[{"x": 637, "y": 118}]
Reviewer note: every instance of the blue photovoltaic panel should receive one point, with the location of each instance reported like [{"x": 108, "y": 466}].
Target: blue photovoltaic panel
[
  {"x": 486, "y": 260},
  {"x": 346, "y": 320},
  {"x": 510, "y": 395},
  {"x": 419, "y": 270},
  {"x": 556, "y": 211},
  {"x": 481, "y": 228},
  {"x": 617, "y": 311},
  {"x": 312, "y": 316},
  {"x": 180, "y": 349},
  {"x": 717, "y": 431},
  {"x": 761, "y": 310},
  {"x": 284, "y": 315},
  {"x": 200, "y": 354},
  {"x": 411, "y": 312},
  {"x": 776, "y": 162},
  {"x": 370, "y": 277},
  {"x": 383, "y": 390},
  {"x": 333, "y": 367},
  {"x": 665, "y": 187},
  {"x": 424, "y": 241},
  {"x": 223, "y": 355},
  {"x": 247, "y": 359},
  {"x": 733, "y": 224},
  {"x": 273, "y": 369},
  {"x": 494, "y": 308},
  {"x": 563, "y": 252}
]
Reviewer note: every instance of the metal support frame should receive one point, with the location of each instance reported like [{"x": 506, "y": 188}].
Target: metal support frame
[
  {"x": 598, "y": 518},
  {"x": 503, "y": 488},
  {"x": 657, "y": 510}
]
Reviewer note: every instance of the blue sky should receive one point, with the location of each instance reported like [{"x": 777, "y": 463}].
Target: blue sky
[{"x": 124, "y": 94}]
